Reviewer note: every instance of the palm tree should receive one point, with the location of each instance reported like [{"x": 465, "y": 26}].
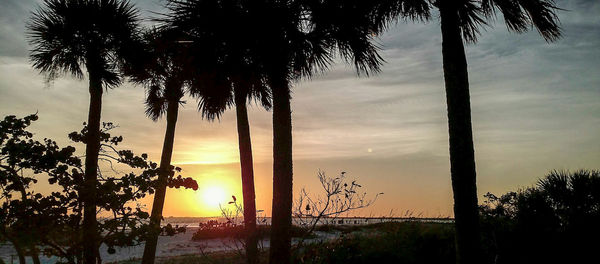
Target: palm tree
[
  {"x": 244, "y": 86},
  {"x": 225, "y": 76},
  {"x": 244, "y": 89},
  {"x": 163, "y": 73},
  {"x": 100, "y": 35},
  {"x": 297, "y": 40},
  {"x": 461, "y": 22}
]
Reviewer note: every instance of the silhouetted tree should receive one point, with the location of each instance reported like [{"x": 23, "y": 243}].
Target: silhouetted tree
[
  {"x": 16, "y": 153},
  {"x": 247, "y": 171},
  {"x": 461, "y": 22},
  {"x": 53, "y": 222},
  {"x": 239, "y": 80},
  {"x": 298, "y": 39},
  {"x": 162, "y": 71},
  {"x": 551, "y": 222},
  {"x": 99, "y": 35},
  {"x": 225, "y": 75},
  {"x": 340, "y": 196}
]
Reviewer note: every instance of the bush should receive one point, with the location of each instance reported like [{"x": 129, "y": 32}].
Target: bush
[
  {"x": 169, "y": 230},
  {"x": 52, "y": 223},
  {"x": 408, "y": 242},
  {"x": 552, "y": 222},
  {"x": 214, "y": 229}
]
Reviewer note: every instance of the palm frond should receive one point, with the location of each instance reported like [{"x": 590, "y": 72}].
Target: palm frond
[
  {"x": 348, "y": 28},
  {"x": 520, "y": 15},
  {"x": 156, "y": 104},
  {"x": 471, "y": 19},
  {"x": 67, "y": 35},
  {"x": 214, "y": 94},
  {"x": 386, "y": 11},
  {"x": 542, "y": 15},
  {"x": 164, "y": 71}
]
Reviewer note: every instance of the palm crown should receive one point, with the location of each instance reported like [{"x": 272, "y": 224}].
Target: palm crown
[
  {"x": 292, "y": 38},
  {"x": 519, "y": 15},
  {"x": 221, "y": 61},
  {"x": 70, "y": 34},
  {"x": 163, "y": 70}
]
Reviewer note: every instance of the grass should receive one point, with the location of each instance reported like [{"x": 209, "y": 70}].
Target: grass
[
  {"x": 407, "y": 242},
  {"x": 227, "y": 257}
]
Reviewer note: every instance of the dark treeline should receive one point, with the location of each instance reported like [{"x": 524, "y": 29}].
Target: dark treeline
[
  {"x": 231, "y": 52},
  {"x": 554, "y": 221}
]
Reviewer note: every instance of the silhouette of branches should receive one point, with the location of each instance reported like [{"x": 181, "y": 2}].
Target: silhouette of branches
[{"x": 340, "y": 196}]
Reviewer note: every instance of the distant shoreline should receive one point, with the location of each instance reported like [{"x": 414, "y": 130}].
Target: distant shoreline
[{"x": 358, "y": 220}]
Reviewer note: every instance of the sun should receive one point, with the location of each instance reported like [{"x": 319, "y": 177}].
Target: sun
[{"x": 213, "y": 196}]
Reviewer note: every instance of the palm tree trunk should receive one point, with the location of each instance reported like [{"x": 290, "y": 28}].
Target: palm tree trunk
[
  {"x": 161, "y": 189},
  {"x": 281, "y": 216},
  {"x": 35, "y": 256},
  {"x": 19, "y": 250},
  {"x": 90, "y": 236},
  {"x": 98, "y": 258},
  {"x": 462, "y": 155},
  {"x": 32, "y": 248},
  {"x": 246, "y": 164}
]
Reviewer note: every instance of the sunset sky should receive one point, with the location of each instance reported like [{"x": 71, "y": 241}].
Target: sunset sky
[{"x": 535, "y": 105}]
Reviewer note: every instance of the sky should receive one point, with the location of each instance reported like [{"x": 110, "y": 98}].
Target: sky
[{"x": 535, "y": 108}]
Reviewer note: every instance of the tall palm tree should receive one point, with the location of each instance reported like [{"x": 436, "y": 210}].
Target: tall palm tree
[
  {"x": 99, "y": 35},
  {"x": 244, "y": 86},
  {"x": 163, "y": 72},
  {"x": 244, "y": 89},
  {"x": 461, "y": 21},
  {"x": 297, "y": 40},
  {"x": 225, "y": 76}
]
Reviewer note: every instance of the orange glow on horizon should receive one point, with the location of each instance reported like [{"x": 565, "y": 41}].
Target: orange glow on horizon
[
  {"x": 207, "y": 153},
  {"x": 216, "y": 184}
]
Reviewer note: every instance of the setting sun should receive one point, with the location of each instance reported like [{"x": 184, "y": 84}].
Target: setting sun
[{"x": 213, "y": 196}]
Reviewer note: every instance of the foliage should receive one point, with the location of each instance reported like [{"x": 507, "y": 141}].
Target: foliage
[
  {"x": 215, "y": 229},
  {"x": 163, "y": 70},
  {"x": 170, "y": 230},
  {"x": 68, "y": 35},
  {"x": 233, "y": 226},
  {"x": 54, "y": 221},
  {"x": 408, "y": 242},
  {"x": 339, "y": 196},
  {"x": 552, "y": 222}
]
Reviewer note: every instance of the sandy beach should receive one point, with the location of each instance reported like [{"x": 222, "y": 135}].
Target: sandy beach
[{"x": 180, "y": 244}]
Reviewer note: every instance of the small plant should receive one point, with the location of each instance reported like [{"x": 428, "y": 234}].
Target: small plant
[
  {"x": 169, "y": 230},
  {"x": 340, "y": 196}
]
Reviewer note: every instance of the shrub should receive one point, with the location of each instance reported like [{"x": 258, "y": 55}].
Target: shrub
[
  {"x": 551, "y": 222},
  {"x": 52, "y": 223},
  {"x": 214, "y": 229},
  {"x": 408, "y": 242}
]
